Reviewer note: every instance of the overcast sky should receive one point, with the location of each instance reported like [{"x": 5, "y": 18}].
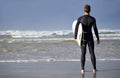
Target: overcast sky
[{"x": 56, "y": 14}]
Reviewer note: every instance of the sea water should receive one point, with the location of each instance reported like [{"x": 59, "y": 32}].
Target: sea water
[{"x": 59, "y": 45}]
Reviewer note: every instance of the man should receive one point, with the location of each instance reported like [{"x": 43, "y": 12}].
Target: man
[{"x": 87, "y": 22}]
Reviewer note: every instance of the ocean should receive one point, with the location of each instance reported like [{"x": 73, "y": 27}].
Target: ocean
[{"x": 59, "y": 45}]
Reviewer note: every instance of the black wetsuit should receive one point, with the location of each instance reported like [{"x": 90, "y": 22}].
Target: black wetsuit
[{"x": 87, "y": 22}]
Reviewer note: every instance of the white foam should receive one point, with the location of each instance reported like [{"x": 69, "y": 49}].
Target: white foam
[
  {"x": 104, "y": 34},
  {"x": 34, "y": 34},
  {"x": 53, "y": 60}
]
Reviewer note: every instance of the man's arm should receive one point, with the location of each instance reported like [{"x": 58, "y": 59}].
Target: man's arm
[{"x": 96, "y": 32}]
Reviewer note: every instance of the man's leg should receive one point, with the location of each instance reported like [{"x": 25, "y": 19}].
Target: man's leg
[{"x": 92, "y": 54}]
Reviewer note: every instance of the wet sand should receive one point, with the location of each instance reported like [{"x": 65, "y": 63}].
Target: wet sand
[{"x": 66, "y": 69}]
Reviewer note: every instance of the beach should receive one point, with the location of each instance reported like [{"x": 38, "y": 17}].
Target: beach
[
  {"x": 37, "y": 38},
  {"x": 55, "y": 54}
]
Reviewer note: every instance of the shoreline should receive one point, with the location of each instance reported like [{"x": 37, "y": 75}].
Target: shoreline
[{"x": 53, "y": 60}]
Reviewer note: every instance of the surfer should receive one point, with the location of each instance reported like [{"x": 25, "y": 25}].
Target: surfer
[{"x": 87, "y": 22}]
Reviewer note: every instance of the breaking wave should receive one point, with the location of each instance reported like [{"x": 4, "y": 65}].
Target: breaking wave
[{"x": 16, "y": 34}]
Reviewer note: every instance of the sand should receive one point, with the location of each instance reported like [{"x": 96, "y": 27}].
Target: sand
[{"x": 57, "y": 69}]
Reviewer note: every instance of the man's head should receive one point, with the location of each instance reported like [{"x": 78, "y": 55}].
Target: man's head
[{"x": 87, "y": 8}]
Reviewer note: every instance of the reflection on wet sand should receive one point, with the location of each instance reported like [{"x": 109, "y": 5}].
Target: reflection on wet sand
[{"x": 94, "y": 75}]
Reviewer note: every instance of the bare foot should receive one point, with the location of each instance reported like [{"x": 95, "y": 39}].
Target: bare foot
[
  {"x": 82, "y": 71},
  {"x": 94, "y": 71}
]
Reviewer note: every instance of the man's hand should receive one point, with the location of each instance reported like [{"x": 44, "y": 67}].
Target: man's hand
[
  {"x": 98, "y": 42},
  {"x": 76, "y": 40}
]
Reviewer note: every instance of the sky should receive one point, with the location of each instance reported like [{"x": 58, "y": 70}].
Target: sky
[{"x": 56, "y": 14}]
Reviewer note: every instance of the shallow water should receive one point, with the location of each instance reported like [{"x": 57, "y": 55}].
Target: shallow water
[{"x": 55, "y": 50}]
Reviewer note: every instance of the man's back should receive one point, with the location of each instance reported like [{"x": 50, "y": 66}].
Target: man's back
[{"x": 87, "y": 22}]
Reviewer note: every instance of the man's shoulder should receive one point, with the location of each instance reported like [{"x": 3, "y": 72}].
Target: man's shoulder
[
  {"x": 81, "y": 17},
  {"x": 92, "y": 17},
  {"x": 85, "y": 16}
]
